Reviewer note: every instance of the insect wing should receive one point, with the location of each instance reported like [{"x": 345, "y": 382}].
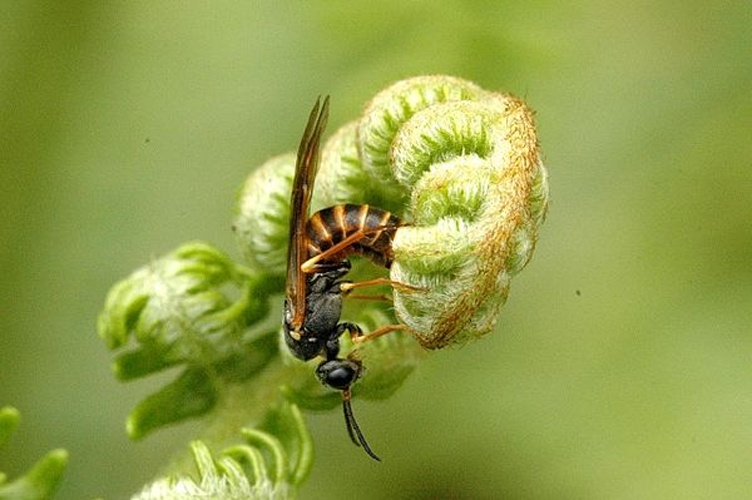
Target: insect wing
[{"x": 302, "y": 187}]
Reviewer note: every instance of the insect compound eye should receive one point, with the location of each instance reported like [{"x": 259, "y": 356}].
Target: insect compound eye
[{"x": 338, "y": 374}]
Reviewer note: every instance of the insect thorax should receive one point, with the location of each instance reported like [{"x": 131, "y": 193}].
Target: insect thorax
[{"x": 321, "y": 320}]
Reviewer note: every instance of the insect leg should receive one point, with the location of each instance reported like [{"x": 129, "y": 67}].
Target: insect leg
[
  {"x": 382, "y": 330},
  {"x": 347, "y": 286},
  {"x": 310, "y": 266}
]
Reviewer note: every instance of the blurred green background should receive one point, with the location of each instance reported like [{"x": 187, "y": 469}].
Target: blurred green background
[{"x": 621, "y": 364}]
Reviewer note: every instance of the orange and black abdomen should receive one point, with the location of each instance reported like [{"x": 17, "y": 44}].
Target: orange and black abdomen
[{"x": 332, "y": 225}]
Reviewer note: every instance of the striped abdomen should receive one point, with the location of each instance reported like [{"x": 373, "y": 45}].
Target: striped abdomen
[{"x": 332, "y": 225}]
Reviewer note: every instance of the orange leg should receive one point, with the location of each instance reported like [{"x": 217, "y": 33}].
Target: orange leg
[
  {"x": 346, "y": 287},
  {"x": 309, "y": 266},
  {"x": 382, "y": 330}
]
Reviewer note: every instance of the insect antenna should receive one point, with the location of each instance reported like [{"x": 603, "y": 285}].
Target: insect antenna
[{"x": 352, "y": 426}]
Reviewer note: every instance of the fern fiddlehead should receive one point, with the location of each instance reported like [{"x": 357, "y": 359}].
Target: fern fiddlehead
[
  {"x": 478, "y": 192},
  {"x": 461, "y": 164}
]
